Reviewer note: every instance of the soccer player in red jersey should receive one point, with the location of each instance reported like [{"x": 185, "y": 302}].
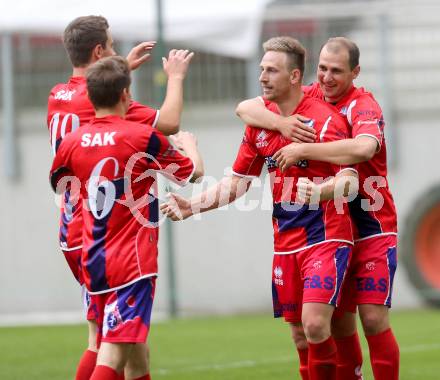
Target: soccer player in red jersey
[
  {"x": 113, "y": 162},
  {"x": 88, "y": 39},
  {"x": 374, "y": 261},
  {"x": 312, "y": 242}
]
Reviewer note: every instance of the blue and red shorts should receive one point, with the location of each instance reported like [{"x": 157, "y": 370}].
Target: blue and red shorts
[
  {"x": 371, "y": 274},
  {"x": 315, "y": 274},
  {"x": 125, "y": 313}
]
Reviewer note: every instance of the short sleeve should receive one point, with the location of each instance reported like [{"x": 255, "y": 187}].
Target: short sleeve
[
  {"x": 335, "y": 128},
  {"x": 366, "y": 119},
  {"x": 60, "y": 165},
  {"x": 248, "y": 162},
  {"x": 141, "y": 114},
  {"x": 167, "y": 160}
]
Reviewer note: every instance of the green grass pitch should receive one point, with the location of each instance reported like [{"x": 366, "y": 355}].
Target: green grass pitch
[{"x": 234, "y": 348}]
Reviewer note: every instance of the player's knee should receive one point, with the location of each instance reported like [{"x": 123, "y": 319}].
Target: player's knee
[
  {"x": 374, "y": 322},
  {"x": 299, "y": 337},
  {"x": 316, "y": 328}
]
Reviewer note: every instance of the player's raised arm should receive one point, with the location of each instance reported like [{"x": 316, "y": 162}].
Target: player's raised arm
[
  {"x": 225, "y": 192},
  {"x": 175, "y": 67},
  {"x": 253, "y": 112}
]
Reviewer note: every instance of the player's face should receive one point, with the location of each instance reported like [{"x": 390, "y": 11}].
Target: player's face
[
  {"x": 275, "y": 77},
  {"x": 334, "y": 74},
  {"x": 108, "y": 50}
]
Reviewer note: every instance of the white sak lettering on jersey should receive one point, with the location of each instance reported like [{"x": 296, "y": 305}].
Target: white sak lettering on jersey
[
  {"x": 64, "y": 95},
  {"x": 98, "y": 139}
]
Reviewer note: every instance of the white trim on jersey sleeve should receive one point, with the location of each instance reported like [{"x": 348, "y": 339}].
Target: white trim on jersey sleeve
[
  {"x": 379, "y": 147},
  {"x": 244, "y": 175},
  {"x": 180, "y": 182},
  {"x": 68, "y": 249},
  {"x": 156, "y": 119},
  {"x": 351, "y": 169},
  {"x": 350, "y": 107},
  {"x": 324, "y": 129}
]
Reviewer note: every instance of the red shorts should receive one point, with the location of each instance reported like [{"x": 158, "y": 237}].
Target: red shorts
[
  {"x": 125, "y": 313},
  {"x": 371, "y": 274},
  {"x": 314, "y": 274},
  {"x": 73, "y": 258}
]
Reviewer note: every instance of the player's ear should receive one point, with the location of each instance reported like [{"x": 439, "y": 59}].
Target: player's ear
[
  {"x": 126, "y": 95},
  {"x": 295, "y": 76},
  {"x": 97, "y": 53},
  {"x": 356, "y": 71}
]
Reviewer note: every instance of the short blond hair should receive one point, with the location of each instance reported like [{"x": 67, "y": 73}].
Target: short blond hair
[{"x": 295, "y": 51}]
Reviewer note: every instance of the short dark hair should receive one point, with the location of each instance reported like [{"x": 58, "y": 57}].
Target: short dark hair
[
  {"x": 82, "y": 35},
  {"x": 106, "y": 79},
  {"x": 295, "y": 51},
  {"x": 335, "y": 43}
]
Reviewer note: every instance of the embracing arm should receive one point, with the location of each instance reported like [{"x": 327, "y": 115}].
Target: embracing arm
[
  {"x": 341, "y": 152},
  {"x": 344, "y": 184},
  {"x": 254, "y": 113}
]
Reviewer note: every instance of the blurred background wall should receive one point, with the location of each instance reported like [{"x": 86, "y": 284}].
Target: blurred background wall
[{"x": 222, "y": 260}]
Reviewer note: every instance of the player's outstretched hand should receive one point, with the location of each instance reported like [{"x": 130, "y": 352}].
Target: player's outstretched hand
[
  {"x": 287, "y": 156},
  {"x": 176, "y": 208},
  {"x": 294, "y": 128},
  {"x": 184, "y": 140},
  {"x": 140, "y": 54},
  {"x": 176, "y": 65},
  {"x": 307, "y": 191}
]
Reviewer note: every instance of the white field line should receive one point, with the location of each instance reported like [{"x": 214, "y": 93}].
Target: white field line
[{"x": 284, "y": 359}]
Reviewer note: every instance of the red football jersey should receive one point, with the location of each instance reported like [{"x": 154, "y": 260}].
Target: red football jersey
[
  {"x": 115, "y": 161},
  {"x": 298, "y": 226},
  {"x": 68, "y": 108},
  {"x": 373, "y": 211}
]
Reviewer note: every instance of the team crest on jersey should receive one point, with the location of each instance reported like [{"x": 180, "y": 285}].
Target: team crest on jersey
[
  {"x": 310, "y": 123},
  {"x": 371, "y": 266},
  {"x": 261, "y": 140},
  {"x": 317, "y": 264},
  {"x": 344, "y": 110},
  {"x": 278, "y": 273},
  {"x": 270, "y": 162}
]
